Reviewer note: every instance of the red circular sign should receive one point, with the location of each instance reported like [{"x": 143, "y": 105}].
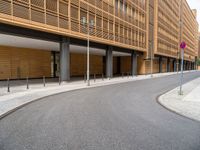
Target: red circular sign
[{"x": 183, "y": 45}]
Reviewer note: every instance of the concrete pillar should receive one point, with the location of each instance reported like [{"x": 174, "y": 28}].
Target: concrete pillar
[
  {"x": 195, "y": 65},
  {"x": 175, "y": 65},
  {"x": 64, "y": 60},
  {"x": 109, "y": 62},
  {"x": 192, "y": 65},
  {"x": 160, "y": 64},
  {"x": 134, "y": 64},
  {"x": 168, "y": 64},
  {"x": 179, "y": 66},
  {"x": 184, "y": 65}
]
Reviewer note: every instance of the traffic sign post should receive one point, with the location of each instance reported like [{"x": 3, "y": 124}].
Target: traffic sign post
[{"x": 182, "y": 46}]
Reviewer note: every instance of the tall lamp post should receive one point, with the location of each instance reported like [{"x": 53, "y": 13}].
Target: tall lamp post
[
  {"x": 88, "y": 24},
  {"x": 182, "y": 46},
  {"x": 151, "y": 46}
]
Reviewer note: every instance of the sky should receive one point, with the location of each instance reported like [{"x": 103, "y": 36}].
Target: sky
[{"x": 195, "y": 4}]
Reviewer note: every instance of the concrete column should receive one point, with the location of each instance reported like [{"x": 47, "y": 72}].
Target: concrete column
[
  {"x": 134, "y": 64},
  {"x": 192, "y": 65},
  {"x": 179, "y": 66},
  {"x": 160, "y": 64},
  {"x": 109, "y": 62},
  {"x": 187, "y": 64},
  {"x": 184, "y": 65},
  {"x": 195, "y": 65},
  {"x": 175, "y": 65},
  {"x": 64, "y": 60},
  {"x": 168, "y": 64}
]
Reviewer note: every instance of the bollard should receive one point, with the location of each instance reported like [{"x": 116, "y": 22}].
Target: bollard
[
  {"x": 8, "y": 85},
  {"x": 44, "y": 82},
  {"x": 27, "y": 83},
  {"x": 94, "y": 77},
  {"x": 127, "y": 75},
  {"x": 102, "y": 77},
  {"x": 122, "y": 75}
]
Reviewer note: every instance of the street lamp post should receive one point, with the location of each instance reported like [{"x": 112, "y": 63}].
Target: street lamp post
[
  {"x": 177, "y": 63},
  {"x": 90, "y": 24},
  {"x": 151, "y": 59},
  {"x": 182, "y": 46},
  {"x": 181, "y": 82}
]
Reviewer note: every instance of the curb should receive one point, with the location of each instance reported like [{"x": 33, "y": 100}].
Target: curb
[
  {"x": 78, "y": 88},
  {"x": 159, "y": 101},
  {"x": 172, "y": 110}
]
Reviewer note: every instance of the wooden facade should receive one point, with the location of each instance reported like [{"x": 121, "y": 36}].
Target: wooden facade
[
  {"x": 189, "y": 31},
  {"x": 199, "y": 45},
  {"x": 16, "y": 63},
  {"x": 116, "y": 22},
  {"x": 146, "y": 26},
  {"x": 166, "y": 29}
]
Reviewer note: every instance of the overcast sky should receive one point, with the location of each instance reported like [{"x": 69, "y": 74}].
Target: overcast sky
[{"x": 195, "y": 4}]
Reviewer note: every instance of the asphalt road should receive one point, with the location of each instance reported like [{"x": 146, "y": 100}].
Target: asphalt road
[{"x": 116, "y": 117}]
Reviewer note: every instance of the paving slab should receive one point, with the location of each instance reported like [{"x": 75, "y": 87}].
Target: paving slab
[{"x": 193, "y": 96}]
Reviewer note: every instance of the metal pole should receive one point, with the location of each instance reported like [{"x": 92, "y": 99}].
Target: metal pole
[
  {"x": 44, "y": 81},
  {"x": 8, "y": 85},
  {"x": 88, "y": 59},
  {"x": 151, "y": 60},
  {"x": 181, "y": 81},
  {"x": 177, "y": 66},
  {"x": 27, "y": 83}
]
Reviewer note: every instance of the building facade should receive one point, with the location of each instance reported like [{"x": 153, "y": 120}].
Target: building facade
[
  {"x": 199, "y": 46},
  {"x": 189, "y": 32},
  {"x": 127, "y": 34}
]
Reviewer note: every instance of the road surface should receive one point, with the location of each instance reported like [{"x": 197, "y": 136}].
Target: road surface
[{"x": 115, "y": 117}]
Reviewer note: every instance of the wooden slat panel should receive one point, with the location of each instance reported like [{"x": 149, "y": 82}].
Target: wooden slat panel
[
  {"x": 5, "y": 7},
  {"x": 52, "y": 20},
  {"x": 5, "y": 64},
  {"x": 37, "y": 16},
  {"x": 20, "y": 62},
  {"x": 79, "y": 68},
  {"x": 21, "y": 11}
]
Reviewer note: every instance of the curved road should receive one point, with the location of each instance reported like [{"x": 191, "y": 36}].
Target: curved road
[{"x": 116, "y": 117}]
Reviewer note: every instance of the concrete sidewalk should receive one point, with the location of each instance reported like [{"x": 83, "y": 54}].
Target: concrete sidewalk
[
  {"x": 187, "y": 104},
  {"x": 19, "y": 96}
]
